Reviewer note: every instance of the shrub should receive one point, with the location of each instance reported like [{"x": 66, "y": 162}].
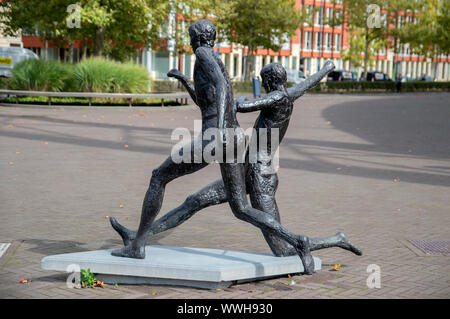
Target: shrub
[
  {"x": 42, "y": 75},
  {"x": 101, "y": 75}
]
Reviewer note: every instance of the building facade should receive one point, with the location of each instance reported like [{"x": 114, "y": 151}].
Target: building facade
[{"x": 307, "y": 50}]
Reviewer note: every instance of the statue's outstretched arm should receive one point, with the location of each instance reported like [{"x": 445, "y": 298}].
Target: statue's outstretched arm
[
  {"x": 260, "y": 103},
  {"x": 298, "y": 90},
  {"x": 174, "y": 73}
]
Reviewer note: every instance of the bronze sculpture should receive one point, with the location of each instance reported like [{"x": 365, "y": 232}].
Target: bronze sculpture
[{"x": 212, "y": 84}]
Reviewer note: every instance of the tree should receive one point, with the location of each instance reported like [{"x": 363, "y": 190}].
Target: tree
[
  {"x": 114, "y": 27},
  {"x": 259, "y": 24},
  {"x": 366, "y": 31},
  {"x": 429, "y": 35}
]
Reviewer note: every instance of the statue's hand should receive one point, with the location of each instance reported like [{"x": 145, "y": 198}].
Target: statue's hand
[{"x": 174, "y": 73}]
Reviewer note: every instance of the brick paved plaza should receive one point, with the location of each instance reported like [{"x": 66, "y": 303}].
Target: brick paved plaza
[{"x": 376, "y": 167}]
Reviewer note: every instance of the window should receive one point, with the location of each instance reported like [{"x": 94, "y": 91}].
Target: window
[
  {"x": 308, "y": 66},
  {"x": 319, "y": 16},
  {"x": 308, "y": 42},
  {"x": 309, "y": 15},
  {"x": 337, "y": 17},
  {"x": 337, "y": 42},
  {"x": 329, "y": 16},
  {"x": 328, "y": 41},
  {"x": 318, "y": 41}
]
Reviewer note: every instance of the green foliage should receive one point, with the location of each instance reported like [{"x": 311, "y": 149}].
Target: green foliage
[
  {"x": 90, "y": 75},
  {"x": 366, "y": 36},
  {"x": 42, "y": 75},
  {"x": 101, "y": 75},
  {"x": 356, "y": 87},
  {"x": 382, "y": 86},
  {"x": 4, "y": 83},
  {"x": 116, "y": 27},
  {"x": 260, "y": 24},
  {"x": 42, "y": 100},
  {"x": 87, "y": 278}
]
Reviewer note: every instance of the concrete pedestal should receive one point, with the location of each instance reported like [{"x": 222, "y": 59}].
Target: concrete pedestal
[{"x": 180, "y": 266}]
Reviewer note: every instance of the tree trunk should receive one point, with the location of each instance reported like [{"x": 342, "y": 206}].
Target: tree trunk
[
  {"x": 436, "y": 64},
  {"x": 71, "y": 51},
  {"x": 99, "y": 42},
  {"x": 46, "y": 50},
  {"x": 249, "y": 64},
  {"x": 366, "y": 55},
  {"x": 84, "y": 49}
]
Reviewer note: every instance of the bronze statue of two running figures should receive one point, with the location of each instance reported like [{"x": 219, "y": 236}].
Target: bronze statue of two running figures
[{"x": 212, "y": 92}]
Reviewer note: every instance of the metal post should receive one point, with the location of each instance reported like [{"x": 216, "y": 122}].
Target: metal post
[{"x": 162, "y": 102}]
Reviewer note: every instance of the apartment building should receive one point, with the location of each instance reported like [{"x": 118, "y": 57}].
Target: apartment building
[{"x": 307, "y": 50}]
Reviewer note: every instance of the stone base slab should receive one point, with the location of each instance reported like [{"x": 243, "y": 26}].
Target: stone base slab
[{"x": 180, "y": 266}]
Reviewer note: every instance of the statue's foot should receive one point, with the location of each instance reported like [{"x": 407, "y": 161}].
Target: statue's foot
[
  {"x": 127, "y": 235},
  {"x": 130, "y": 252},
  {"x": 345, "y": 244},
  {"x": 303, "y": 251}
]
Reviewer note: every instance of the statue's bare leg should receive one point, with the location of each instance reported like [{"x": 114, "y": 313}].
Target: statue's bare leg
[
  {"x": 262, "y": 189},
  {"x": 212, "y": 194},
  {"x": 233, "y": 175},
  {"x": 154, "y": 196}
]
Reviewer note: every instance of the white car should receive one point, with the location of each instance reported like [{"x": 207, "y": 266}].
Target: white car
[
  {"x": 295, "y": 76},
  {"x": 10, "y": 56}
]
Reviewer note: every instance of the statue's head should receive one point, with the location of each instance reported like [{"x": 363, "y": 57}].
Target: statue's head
[
  {"x": 202, "y": 33},
  {"x": 274, "y": 77}
]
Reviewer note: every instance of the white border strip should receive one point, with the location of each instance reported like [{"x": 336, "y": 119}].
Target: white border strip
[{"x": 3, "y": 248}]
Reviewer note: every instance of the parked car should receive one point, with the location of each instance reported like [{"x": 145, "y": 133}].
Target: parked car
[
  {"x": 425, "y": 77},
  {"x": 377, "y": 76},
  {"x": 295, "y": 76},
  {"x": 340, "y": 75},
  {"x": 10, "y": 56}
]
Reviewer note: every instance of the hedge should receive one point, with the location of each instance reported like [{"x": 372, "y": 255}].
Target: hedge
[{"x": 351, "y": 86}]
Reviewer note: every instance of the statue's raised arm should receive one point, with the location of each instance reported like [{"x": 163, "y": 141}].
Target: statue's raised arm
[
  {"x": 298, "y": 90},
  {"x": 277, "y": 91}
]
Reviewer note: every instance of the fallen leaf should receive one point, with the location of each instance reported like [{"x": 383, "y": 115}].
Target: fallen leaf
[
  {"x": 106, "y": 216},
  {"x": 11, "y": 163},
  {"x": 336, "y": 267},
  {"x": 338, "y": 168},
  {"x": 126, "y": 146},
  {"x": 120, "y": 206},
  {"x": 396, "y": 180},
  {"x": 46, "y": 143},
  {"x": 17, "y": 152},
  {"x": 328, "y": 123},
  {"x": 25, "y": 281}
]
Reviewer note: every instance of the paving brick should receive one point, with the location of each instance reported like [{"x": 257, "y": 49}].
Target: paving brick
[{"x": 56, "y": 196}]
